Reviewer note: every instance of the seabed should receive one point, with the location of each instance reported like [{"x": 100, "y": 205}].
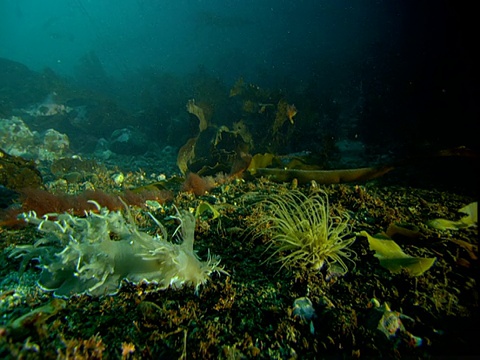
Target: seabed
[{"x": 260, "y": 309}]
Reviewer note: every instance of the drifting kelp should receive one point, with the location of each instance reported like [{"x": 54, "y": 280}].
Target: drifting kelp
[
  {"x": 393, "y": 258},
  {"x": 471, "y": 219},
  {"x": 92, "y": 255}
]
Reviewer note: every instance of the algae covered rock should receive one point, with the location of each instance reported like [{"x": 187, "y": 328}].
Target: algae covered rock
[
  {"x": 17, "y": 173},
  {"x": 128, "y": 141},
  {"x": 17, "y": 139}
]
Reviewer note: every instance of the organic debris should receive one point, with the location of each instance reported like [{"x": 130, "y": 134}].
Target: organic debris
[
  {"x": 390, "y": 324},
  {"x": 470, "y": 220},
  {"x": 393, "y": 258},
  {"x": 322, "y": 176}
]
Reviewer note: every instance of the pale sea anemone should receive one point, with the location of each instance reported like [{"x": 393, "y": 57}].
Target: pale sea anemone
[
  {"x": 93, "y": 254},
  {"x": 304, "y": 231}
]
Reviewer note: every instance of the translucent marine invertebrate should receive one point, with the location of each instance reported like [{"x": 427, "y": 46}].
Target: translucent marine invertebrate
[
  {"x": 390, "y": 322},
  {"x": 91, "y": 255},
  {"x": 303, "y": 309},
  {"x": 304, "y": 231}
]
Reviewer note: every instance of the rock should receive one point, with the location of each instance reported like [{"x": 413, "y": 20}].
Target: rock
[
  {"x": 17, "y": 173},
  {"x": 128, "y": 141}
]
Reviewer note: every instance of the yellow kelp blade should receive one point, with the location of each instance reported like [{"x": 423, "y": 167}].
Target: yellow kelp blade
[
  {"x": 260, "y": 161},
  {"x": 321, "y": 176},
  {"x": 206, "y": 207},
  {"x": 393, "y": 258},
  {"x": 445, "y": 224},
  {"x": 472, "y": 214},
  {"x": 470, "y": 220}
]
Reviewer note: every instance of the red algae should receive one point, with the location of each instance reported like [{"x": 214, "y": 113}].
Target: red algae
[
  {"x": 44, "y": 202},
  {"x": 197, "y": 184}
]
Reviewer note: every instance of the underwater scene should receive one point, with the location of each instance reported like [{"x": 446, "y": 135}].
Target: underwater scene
[{"x": 255, "y": 179}]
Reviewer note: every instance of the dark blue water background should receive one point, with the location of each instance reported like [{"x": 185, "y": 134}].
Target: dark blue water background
[{"x": 402, "y": 67}]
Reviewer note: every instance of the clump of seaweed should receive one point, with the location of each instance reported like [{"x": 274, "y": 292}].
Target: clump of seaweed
[
  {"x": 304, "y": 231},
  {"x": 44, "y": 202},
  {"x": 93, "y": 254},
  {"x": 197, "y": 184}
]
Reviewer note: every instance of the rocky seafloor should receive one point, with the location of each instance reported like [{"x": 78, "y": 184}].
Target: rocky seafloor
[{"x": 260, "y": 309}]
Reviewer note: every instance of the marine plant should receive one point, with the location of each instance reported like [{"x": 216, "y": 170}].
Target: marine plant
[
  {"x": 304, "y": 231},
  {"x": 93, "y": 254},
  {"x": 44, "y": 202},
  {"x": 197, "y": 184}
]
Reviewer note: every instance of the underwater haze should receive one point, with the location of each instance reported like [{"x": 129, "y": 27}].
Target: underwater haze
[
  {"x": 231, "y": 38},
  {"x": 239, "y": 179},
  {"x": 386, "y": 76}
]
